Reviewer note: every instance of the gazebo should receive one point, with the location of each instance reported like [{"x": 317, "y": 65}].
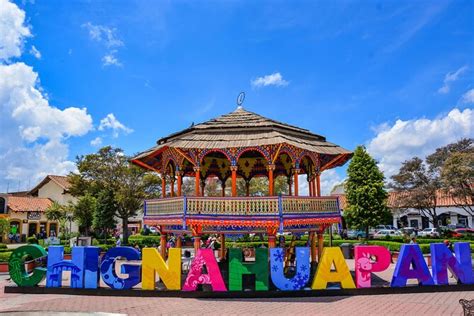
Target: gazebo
[{"x": 243, "y": 145}]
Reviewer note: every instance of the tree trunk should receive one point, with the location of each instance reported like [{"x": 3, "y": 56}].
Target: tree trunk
[
  {"x": 125, "y": 230},
  {"x": 435, "y": 221}
]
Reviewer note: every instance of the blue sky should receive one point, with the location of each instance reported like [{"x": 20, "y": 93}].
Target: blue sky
[{"x": 396, "y": 76}]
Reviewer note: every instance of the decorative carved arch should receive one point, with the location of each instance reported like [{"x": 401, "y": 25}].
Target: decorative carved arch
[
  {"x": 264, "y": 151},
  {"x": 167, "y": 158},
  {"x": 291, "y": 151},
  {"x": 205, "y": 152}
]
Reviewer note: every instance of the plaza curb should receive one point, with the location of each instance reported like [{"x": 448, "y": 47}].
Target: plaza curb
[{"x": 241, "y": 294}]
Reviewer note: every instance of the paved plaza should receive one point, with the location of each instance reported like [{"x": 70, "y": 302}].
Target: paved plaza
[{"x": 446, "y": 303}]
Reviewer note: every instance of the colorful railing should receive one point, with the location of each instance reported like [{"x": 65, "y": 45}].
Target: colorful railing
[{"x": 241, "y": 206}]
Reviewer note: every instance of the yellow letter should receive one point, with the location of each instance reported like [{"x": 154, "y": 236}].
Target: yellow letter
[
  {"x": 153, "y": 263},
  {"x": 324, "y": 274}
]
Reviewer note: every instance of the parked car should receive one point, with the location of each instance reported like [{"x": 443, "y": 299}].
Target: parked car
[
  {"x": 356, "y": 234},
  {"x": 380, "y": 227},
  {"x": 407, "y": 230},
  {"x": 387, "y": 232},
  {"x": 153, "y": 230},
  {"x": 461, "y": 232},
  {"x": 429, "y": 232}
]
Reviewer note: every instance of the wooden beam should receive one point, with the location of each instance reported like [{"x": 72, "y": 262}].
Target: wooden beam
[
  {"x": 332, "y": 162},
  {"x": 144, "y": 165},
  {"x": 184, "y": 155},
  {"x": 276, "y": 155}
]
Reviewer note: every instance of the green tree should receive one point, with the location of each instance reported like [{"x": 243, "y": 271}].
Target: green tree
[
  {"x": 457, "y": 177},
  {"x": 109, "y": 169},
  {"x": 104, "y": 216},
  {"x": 84, "y": 211},
  {"x": 4, "y": 227},
  {"x": 365, "y": 192},
  {"x": 57, "y": 212},
  {"x": 421, "y": 181}
]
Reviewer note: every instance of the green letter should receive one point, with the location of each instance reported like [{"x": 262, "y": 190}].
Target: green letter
[
  {"x": 259, "y": 268},
  {"x": 16, "y": 265}
]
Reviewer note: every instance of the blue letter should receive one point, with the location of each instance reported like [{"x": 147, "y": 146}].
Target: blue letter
[
  {"x": 411, "y": 255},
  {"x": 301, "y": 278},
  {"x": 57, "y": 264},
  {"x": 461, "y": 265},
  {"x": 107, "y": 268}
]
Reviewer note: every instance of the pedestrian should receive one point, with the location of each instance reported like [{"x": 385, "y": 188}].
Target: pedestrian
[{"x": 118, "y": 242}]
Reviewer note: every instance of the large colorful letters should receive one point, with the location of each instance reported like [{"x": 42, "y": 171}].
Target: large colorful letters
[
  {"x": 57, "y": 264},
  {"x": 213, "y": 276},
  {"x": 442, "y": 259},
  {"x": 153, "y": 263},
  {"x": 330, "y": 256},
  {"x": 259, "y": 268},
  {"x": 411, "y": 255},
  {"x": 26, "y": 267},
  {"x": 301, "y": 278},
  {"x": 16, "y": 265},
  {"x": 107, "y": 268},
  {"x": 364, "y": 266}
]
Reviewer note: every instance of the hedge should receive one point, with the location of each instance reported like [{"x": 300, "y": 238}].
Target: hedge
[
  {"x": 3, "y": 246},
  {"x": 4, "y": 256}
]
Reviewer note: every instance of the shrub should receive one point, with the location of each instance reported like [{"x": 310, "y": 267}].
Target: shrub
[
  {"x": 3, "y": 246},
  {"x": 32, "y": 240},
  {"x": 5, "y": 256}
]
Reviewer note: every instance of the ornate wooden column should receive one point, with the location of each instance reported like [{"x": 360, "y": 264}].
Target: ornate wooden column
[
  {"x": 196, "y": 231},
  {"x": 222, "y": 250},
  {"x": 271, "y": 233},
  {"x": 197, "y": 183},
  {"x": 163, "y": 185},
  {"x": 223, "y": 187},
  {"x": 318, "y": 185},
  {"x": 203, "y": 186},
  {"x": 320, "y": 244},
  {"x": 178, "y": 242},
  {"x": 296, "y": 172},
  {"x": 310, "y": 186},
  {"x": 233, "y": 169},
  {"x": 163, "y": 242},
  {"x": 172, "y": 186},
  {"x": 180, "y": 182},
  {"x": 271, "y": 181},
  {"x": 312, "y": 239}
]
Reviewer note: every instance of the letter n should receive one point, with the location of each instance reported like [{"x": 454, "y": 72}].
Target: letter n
[{"x": 153, "y": 264}]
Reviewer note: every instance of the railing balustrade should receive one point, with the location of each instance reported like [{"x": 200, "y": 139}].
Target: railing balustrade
[{"x": 241, "y": 206}]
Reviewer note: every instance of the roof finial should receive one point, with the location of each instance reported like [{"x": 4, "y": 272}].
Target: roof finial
[{"x": 240, "y": 100}]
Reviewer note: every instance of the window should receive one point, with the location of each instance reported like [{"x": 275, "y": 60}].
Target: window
[{"x": 2, "y": 206}]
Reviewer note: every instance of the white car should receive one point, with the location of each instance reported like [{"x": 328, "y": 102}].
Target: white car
[
  {"x": 429, "y": 232},
  {"x": 387, "y": 232}
]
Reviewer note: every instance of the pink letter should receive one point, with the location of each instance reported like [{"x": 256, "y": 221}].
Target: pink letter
[
  {"x": 364, "y": 265},
  {"x": 195, "y": 276}
]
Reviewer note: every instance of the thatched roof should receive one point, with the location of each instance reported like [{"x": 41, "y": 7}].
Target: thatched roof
[{"x": 243, "y": 128}]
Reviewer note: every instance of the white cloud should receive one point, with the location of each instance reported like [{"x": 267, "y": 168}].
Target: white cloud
[
  {"x": 451, "y": 77},
  {"x": 35, "y": 52},
  {"x": 96, "y": 142},
  {"x": 468, "y": 97},
  {"x": 403, "y": 140},
  {"x": 106, "y": 36},
  {"x": 34, "y": 132},
  {"x": 275, "y": 79},
  {"x": 13, "y": 31},
  {"x": 110, "y": 122},
  {"x": 111, "y": 60}
]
